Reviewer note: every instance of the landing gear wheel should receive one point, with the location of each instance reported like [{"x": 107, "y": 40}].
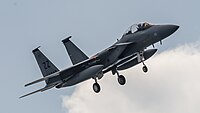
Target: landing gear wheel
[
  {"x": 144, "y": 68},
  {"x": 121, "y": 79},
  {"x": 96, "y": 87}
]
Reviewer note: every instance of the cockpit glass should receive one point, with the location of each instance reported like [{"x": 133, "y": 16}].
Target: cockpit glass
[
  {"x": 137, "y": 27},
  {"x": 131, "y": 29}
]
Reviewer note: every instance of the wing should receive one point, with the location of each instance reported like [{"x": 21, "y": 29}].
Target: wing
[
  {"x": 122, "y": 59},
  {"x": 120, "y": 44},
  {"x": 64, "y": 74},
  {"x": 119, "y": 62},
  {"x": 125, "y": 44}
]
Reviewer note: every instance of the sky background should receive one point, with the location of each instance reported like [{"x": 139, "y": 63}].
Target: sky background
[{"x": 170, "y": 85}]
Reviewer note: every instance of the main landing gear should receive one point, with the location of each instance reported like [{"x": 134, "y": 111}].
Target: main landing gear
[
  {"x": 96, "y": 86},
  {"x": 121, "y": 79}
]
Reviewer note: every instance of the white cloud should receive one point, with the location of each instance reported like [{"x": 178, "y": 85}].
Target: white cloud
[{"x": 172, "y": 85}]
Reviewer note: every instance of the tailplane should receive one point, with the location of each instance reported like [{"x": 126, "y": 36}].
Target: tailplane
[
  {"x": 75, "y": 54},
  {"x": 46, "y": 66}
]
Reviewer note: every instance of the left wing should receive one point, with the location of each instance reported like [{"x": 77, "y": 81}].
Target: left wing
[
  {"x": 120, "y": 44},
  {"x": 63, "y": 73},
  {"x": 124, "y": 44}
]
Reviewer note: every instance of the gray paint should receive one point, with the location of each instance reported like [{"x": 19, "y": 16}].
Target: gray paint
[
  {"x": 75, "y": 54},
  {"x": 27, "y": 24},
  {"x": 134, "y": 61},
  {"x": 83, "y": 69}
]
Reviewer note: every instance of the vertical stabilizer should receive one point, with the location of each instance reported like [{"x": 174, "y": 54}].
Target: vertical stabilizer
[
  {"x": 75, "y": 54},
  {"x": 46, "y": 66}
]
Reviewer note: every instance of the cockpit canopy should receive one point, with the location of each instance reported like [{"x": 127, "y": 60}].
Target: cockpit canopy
[{"x": 137, "y": 27}]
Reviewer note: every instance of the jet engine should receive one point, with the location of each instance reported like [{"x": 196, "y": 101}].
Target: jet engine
[{"x": 86, "y": 74}]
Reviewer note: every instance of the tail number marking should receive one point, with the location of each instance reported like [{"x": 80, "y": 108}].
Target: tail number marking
[{"x": 46, "y": 64}]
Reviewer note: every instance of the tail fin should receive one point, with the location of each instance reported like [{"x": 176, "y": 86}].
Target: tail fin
[
  {"x": 46, "y": 66},
  {"x": 75, "y": 54}
]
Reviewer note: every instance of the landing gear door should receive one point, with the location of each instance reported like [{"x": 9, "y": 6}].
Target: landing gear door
[{"x": 140, "y": 56}]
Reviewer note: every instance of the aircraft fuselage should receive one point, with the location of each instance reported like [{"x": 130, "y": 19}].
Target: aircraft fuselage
[
  {"x": 129, "y": 44},
  {"x": 125, "y": 53},
  {"x": 140, "y": 40}
]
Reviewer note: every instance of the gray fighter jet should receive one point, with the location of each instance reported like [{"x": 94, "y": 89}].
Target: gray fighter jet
[{"x": 127, "y": 52}]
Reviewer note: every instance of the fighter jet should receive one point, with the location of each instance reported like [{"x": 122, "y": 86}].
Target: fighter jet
[{"x": 127, "y": 52}]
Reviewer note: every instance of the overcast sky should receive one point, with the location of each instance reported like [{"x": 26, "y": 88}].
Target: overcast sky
[{"x": 94, "y": 25}]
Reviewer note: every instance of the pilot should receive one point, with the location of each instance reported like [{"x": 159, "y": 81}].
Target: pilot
[{"x": 140, "y": 27}]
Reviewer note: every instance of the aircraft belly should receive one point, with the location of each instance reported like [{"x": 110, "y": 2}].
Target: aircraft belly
[
  {"x": 84, "y": 75},
  {"x": 147, "y": 54}
]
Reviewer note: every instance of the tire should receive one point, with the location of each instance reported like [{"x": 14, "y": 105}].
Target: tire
[
  {"x": 121, "y": 80},
  {"x": 145, "y": 69},
  {"x": 96, "y": 87}
]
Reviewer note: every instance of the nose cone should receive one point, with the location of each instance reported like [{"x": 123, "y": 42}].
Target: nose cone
[
  {"x": 171, "y": 28},
  {"x": 167, "y": 30}
]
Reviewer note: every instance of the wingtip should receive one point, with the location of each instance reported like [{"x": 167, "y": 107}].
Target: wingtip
[
  {"x": 27, "y": 84},
  {"x": 66, "y": 39},
  {"x": 21, "y": 97},
  {"x": 36, "y": 49}
]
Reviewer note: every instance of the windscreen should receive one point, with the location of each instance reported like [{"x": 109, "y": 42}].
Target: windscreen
[{"x": 137, "y": 27}]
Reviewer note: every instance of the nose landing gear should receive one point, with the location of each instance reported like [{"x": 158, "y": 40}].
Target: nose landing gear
[
  {"x": 144, "y": 68},
  {"x": 140, "y": 58}
]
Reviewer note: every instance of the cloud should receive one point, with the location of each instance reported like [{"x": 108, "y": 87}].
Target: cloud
[{"x": 172, "y": 85}]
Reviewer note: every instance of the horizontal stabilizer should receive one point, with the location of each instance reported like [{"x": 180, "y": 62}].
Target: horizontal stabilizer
[
  {"x": 40, "y": 90},
  {"x": 31, "y": 93},
  {"x": 42, "y": 79}
]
